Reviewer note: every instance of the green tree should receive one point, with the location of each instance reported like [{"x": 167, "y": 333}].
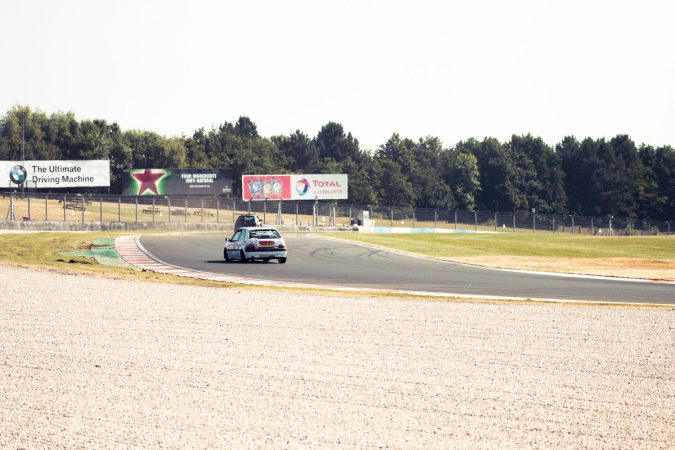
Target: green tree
[
  {"x": 151, "y": 150},
  {"x": 392, "y": 187},
  {"x": 497, "y": 176},
  {"x": 538, "y": 174},
  {"x": 577, "y": 165},
  {"x": 401, "y": 151},
  {"x": 23, "y": 127},
  {"x": 431, "y": 190},
  {"x": 596, "y": 179},
  {"x": 197, "y": 153},
  {"x": 460, "y": 172},
  {"x": 333, "y": 142},
  {"x": 301, "y": 154},
  {"x": 631, "y": 186},
  {"x": 659, "y": 179},
  {"x": 664, "y": 168},
  {"x": 360, "y": 189},
  {"x": 63, "y": 132}
]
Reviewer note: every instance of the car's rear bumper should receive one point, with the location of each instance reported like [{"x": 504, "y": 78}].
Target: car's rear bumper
[{"x": 266, "y": 254}]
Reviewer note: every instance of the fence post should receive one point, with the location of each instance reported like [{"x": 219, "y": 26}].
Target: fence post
[
  {"x": 297, "y": 211},
  {"x": 495, "y": 221},
  {"x": 186, "y": 211},
  {"x": 234, "y": 208},
  {"x": 136, "y": 220},
  {"x": 265, "y": 211},
  {"x": 202, "y": 210},
  {"x": 435, "y": 217},
  {"x": 46, "y": 209},
  {"x": 100, "y": 209},
  {"x": 413, "y": 222},
  {"x": 592, "y": 226},
  {"x": 119, "y": 209},
  {"x": 153, "y": 208},
  {"x": 553, "y": 226},
  {"x": 65, "y": 199},
  {"x": 475, "y": 221},
  {"x": 668, "y": 222},
  {"x": 29, "y": 207},
  {"x": 391, "y": 215},
  {"x": 610, "y": 225},
  {"x": 514, "y": 221},
  {"x": 10, "y": 211},
  {"x": 168, "y": 205},
  {"x": 82, "y": 205},
  {"x": 455, "y": 219},
  {"x": 573, "y": 225},
  {"x": 314, "y": 212},
  {"x": 534, "y": 220}
]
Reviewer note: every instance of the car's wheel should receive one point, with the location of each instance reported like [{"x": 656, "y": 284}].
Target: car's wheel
[
  {"x": 226, "y": 256},
  {"x": 281, "y": 260},
  {"x": 242, "y": 256}
]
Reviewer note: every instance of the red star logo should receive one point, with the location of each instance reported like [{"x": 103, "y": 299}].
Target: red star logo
[{"x": 148, "y": 181}]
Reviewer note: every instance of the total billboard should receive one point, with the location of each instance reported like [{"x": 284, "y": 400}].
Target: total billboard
[
  {"x": 294, "y": 187},
  {"x": 177, "y": 182},
  {"x": 55, "y": 174}
]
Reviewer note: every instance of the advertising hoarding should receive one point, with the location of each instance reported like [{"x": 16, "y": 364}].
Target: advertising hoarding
[
  {"x": 177, "y": 182},
  {"x": 294, "y": 187},
  {"x": 55, "y": 174}
]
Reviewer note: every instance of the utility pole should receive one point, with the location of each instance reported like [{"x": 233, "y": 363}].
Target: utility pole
[
  {"x": 23, "y": 138},
  {"x": 23, "y": 146}
]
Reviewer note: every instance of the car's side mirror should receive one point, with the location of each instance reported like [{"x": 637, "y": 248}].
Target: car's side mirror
[{"x": 227, "y": 239}]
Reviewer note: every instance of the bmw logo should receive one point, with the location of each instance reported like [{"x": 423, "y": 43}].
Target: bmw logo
[
  {"x": 302, "y": 186},
  {"x": 18, "y": 174}
]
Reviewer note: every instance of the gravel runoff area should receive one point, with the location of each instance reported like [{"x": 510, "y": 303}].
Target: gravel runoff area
[{"x": 100, "y": 363}]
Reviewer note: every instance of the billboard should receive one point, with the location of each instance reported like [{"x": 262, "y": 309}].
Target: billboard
[
  {"x": 294, "y": 187},
  {"x": 177, "y": 182},
  {"x": 55, "y": 174}
]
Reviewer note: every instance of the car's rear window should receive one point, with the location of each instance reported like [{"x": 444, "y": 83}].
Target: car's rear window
[{"x": 265, "y": 234}]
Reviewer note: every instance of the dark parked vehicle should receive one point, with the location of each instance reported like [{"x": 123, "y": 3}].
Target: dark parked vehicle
[{"x": 247, "y": 220}]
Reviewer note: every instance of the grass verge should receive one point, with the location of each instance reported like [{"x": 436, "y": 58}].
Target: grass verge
[
  {"x": 649, "y": 257},
  {"x": 42, "y": 250}
]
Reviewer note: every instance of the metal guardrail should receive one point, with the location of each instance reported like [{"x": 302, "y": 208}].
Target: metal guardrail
[{"x": 114, "y": 208}]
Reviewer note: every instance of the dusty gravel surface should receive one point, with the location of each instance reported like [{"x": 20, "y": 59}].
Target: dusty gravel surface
[{"x": 100, "y": 363}]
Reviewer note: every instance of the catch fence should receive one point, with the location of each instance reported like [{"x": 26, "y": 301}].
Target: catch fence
[{"x": 88, "y": 208}]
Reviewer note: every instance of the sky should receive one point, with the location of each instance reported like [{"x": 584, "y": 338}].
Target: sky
[{"x": 450, "y": 69}]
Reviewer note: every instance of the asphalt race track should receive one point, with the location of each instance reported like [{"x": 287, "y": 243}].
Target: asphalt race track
[{"x": 315, "y": 260}]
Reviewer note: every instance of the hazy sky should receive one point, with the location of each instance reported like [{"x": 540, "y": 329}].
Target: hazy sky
[{"x": 451, "y": 69}]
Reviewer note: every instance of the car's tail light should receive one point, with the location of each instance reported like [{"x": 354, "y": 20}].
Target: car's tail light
[
  {"x": 282, "y": 246},
  {"x": 250, "y": 247}
]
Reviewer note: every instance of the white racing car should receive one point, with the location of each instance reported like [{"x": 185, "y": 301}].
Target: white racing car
[{"x": 255, "y": 243}]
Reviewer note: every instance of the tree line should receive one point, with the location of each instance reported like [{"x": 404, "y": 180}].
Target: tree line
[{"x": 584, "y": 177}]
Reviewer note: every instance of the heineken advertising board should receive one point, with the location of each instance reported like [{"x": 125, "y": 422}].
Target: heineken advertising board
[{"x": 177, "y": 182}]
